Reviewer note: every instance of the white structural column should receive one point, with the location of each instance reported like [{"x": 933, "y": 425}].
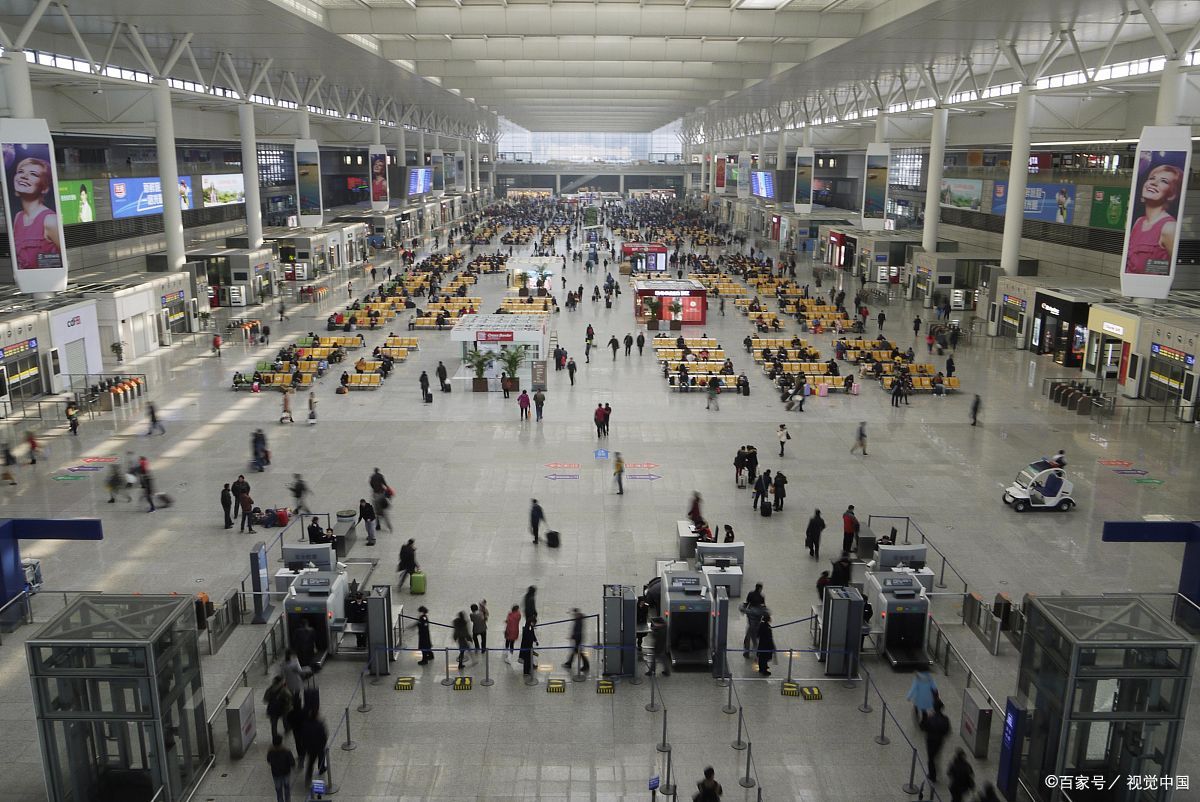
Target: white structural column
[
  {"x": 621, "y": 183},
  {"x": 401, "y": 150},
  {"x": 806, "y": 136},
  {"x": 881, "y": 127},
  {"x": 478, "y": 158},
  {"x": 376, "y": 133},
  {"x": 17, "y": 86},
  {"x": 254, "y": 225},
  {"x": 305, "y": 127},
  {"x": 781, "y": 151},
  {"x": 1170, "y": 92},
  {"x": 168, "y": 172},
  {"x": 1018, "y": 178},
  {"x": 421, "y": 148},
  {"x": 933, "y": 179}
]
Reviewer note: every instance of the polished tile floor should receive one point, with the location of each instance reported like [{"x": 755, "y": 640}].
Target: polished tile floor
[{"x": 465, "y": 469}]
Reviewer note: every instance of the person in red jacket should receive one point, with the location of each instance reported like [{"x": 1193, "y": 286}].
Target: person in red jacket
[{"x": 849, "y": 528}]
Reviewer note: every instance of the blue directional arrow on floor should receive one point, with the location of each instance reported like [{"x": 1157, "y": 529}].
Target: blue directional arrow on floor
[
  {"x": 650, "y": 477},
  {"x": 84, "y": 468},
  {"x": 600, "y": 453},
  {"x": 1132, "y": 472},
  {"x": 555, "y": 476}
]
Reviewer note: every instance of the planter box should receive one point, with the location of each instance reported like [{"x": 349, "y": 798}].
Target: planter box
[
  {"x": 676, "y": 325},
  {"x": 479, "y": 385},
  {"x": 541, "y": 292},
  {"x": 523, "y": 292}
]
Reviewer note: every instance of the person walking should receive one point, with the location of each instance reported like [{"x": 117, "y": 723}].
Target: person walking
[
  {"x": 662, "y": 647},
  {"x": 537, "y": 516},
  {"x": 577, "y": 622},
  {"x": 282, "y": 763},
  {"x": 897, "y": 390},
  {"x": 512, "y": 631},
  {"x": 285, "y": 412},
  {"x": 279, "y": 702},
  {"x": 282, "y": 310},
  {"x": 607, "y": 418},
  {"x": 441, "y": 374},
  {"x": 860, "y": 438},
  {"x": 762, "y": 489},
  {"x": 712, "y": 390},
  {"x": 312, "y": 408},
  {"x": 528, "y": 641},
  {"x": 962, "y": 776},
  {"x": 950, "y": 366},
  {"x": 72, "y": 413},
  {"x": 424, "y": 382},
  {"x": 628, "y": 344},
  {"x": 407, "y": 565},
  {"x": 850, "y": 528},
  {"x": 812, "y": 534},
  {"x": 246, "y": 505},
  {"x": 424, "y": 639},
  {"x": 299, "y": 491},
  {"x": 462, "y": 637},
  {"x": 314, "y": 738},
  {"x": 880, "y": 318},
  {"x": 539, "y": 403},
  {"x": 598, "y": 419},
  {"x": 116, "y": 483},
  {"x": 529, "y": 602},
  {"x": 754, "y": 609},
  {"x": 614, "y": 345},
  {"x": 10, "y": 461},
  {"x": 619, "y": 472},
  {"x": 766, "y": 645},
  {"x": 923, "y": 693},
  {"x": 641, "y": 342},
  {"x": 479, "y": 619},
  {"x": 780, "y": 490},
  {"x": 523, "y": 405},
  {"x": 571, "y": 368},
  {"x": 784, "y": 435},
  {"x": 226, "y": 502},
  {"x": 382, "y": 503},
  {"x": 216, "y": 345},
  {"x": 155, "y": 423},
  {"x": 366, "y": 514},
  {"x": 587, "y": 351},
  {"x": 954, "y": 335},
  {"x": 936, "y": 727},
  {"x": 916, "y": 327},
  {"x": 709, "y": 790},
  {"x": 976, "y": 402}
]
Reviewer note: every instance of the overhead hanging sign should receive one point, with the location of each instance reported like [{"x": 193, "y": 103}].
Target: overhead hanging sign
[
  {"x": 35, "y": 228},
  {"x": 802, "y": 189},
  {"x": 437, "y": 162},
  {"x": 377, "y": 158},
  {"x": 742, "y": 174},
  {"x": 875, "y": 187},
  {"x": 720, "y": 163},
  {"x": 308, "y": 183},
  {"x": 1156, "y": 205}
]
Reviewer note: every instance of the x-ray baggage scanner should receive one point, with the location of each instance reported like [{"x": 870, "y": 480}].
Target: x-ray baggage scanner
[
  {"x": 687, "y": 606},
  {"x": 900, "y": 618},
  {"x": 318, "y": 597}
]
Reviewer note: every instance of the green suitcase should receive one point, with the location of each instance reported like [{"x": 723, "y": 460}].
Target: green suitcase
[{"x": 416, "y": 583}]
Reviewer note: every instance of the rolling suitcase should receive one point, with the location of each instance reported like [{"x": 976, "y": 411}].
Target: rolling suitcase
[
  {"x": 428, "y": 397},
  {"x": 281, "y": 516},
  {"x": 552, "y": 539},
  {"x": 741, "y": 479},
  {"x": 416, "y": 583},
  {"x": 764, "y": 508}
]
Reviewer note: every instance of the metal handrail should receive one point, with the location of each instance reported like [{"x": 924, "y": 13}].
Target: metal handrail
[
  {"x": 23, "y": 596},
  {"x": 244, "y": 673},
  {"x": 972, "y": 675}
]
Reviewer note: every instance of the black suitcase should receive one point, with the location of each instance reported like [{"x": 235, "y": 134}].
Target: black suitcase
[
  {"x": 428, "y": 397},
  {"x": 552, "y": 539},
  {"x": 764, "y": 508},
  {"x": 312, "y": 697},
  {"x": 745, "y": 389}
]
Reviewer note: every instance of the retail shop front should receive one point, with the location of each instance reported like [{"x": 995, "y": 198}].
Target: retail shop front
[
  {"x": 1060, "y": 327},
  {"x": 1169, "y": 346},
  {"x": 1111, "y": 345}
]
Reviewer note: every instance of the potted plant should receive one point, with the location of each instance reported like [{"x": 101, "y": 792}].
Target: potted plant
[
  {"x": 676, "y": 320},
  {"x": 512, "y": 359},
  {"x": 118, "y": 349},
  {"x": 479, "y": 362}
]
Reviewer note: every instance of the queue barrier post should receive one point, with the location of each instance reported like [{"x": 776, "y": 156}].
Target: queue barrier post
[
  {"x": 363, "y": 707},
  {"x": 330, "y": 787},
  {"x": 882, "y": 738},
  {"x": 447, "y": 681},
  {"x": 668, "y": 788},
  {"x": 910, "y": 787},
  {"x": 487, "y": 680},
  {"x": 349, "y": 745},
  {"x": 790, "y": 653},
  {"x": 739, "y": 744},
  {"x": 865, "y": 707},
  {"x": 748, "y": 781},
  {"x": 664, "y": 746},
  {"x": 653, "y": 706}
]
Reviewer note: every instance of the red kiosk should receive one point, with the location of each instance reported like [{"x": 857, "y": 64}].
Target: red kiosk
[
  {"x": 655, "y": 298},
  {"x": 645, "y": 257}
]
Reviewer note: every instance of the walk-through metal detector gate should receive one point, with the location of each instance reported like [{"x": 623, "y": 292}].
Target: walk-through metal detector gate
[
  {"x": 719, "y": 632},
  {"x": 619, "y": 621}
]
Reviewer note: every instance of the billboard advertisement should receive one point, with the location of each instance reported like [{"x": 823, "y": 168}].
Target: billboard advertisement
[
  {"x": 377, "y": 158},
  {"x": 437, "y": 163},
  {"x": 741, "y": 175},
  {"x": 225, "y": 189},
  {"x": 875, "y": 187},
  {"x": 460, "y": 171},
  {"x": 1050, "y": 203},
  {"x": 77, "y": 202},
  {"x": 138, "y": 197},
  {"x": 308, "y": 182},
  {"x": 1110, "y": 207},
  {"x": 762, "y": 184},
  {"x": 35, "y": 228},
  {"x": 719, "y": 164},
  {"x": 1156, "y": 205},
  {"x": 420, "y": 181},
  {"x": 802, "y": 190},
  {"x": 961, "y": 193}
]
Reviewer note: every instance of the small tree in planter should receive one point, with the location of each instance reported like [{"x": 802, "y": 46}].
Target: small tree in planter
[
  {"x": 479, "y": 362},
  {"x": 512, "y": 359},
  {"x": 676, "y": 319},
  {"x": 118, "y": 349}
]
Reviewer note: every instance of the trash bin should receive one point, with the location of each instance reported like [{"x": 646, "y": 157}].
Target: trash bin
[{"x": 239, "y": 716}]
